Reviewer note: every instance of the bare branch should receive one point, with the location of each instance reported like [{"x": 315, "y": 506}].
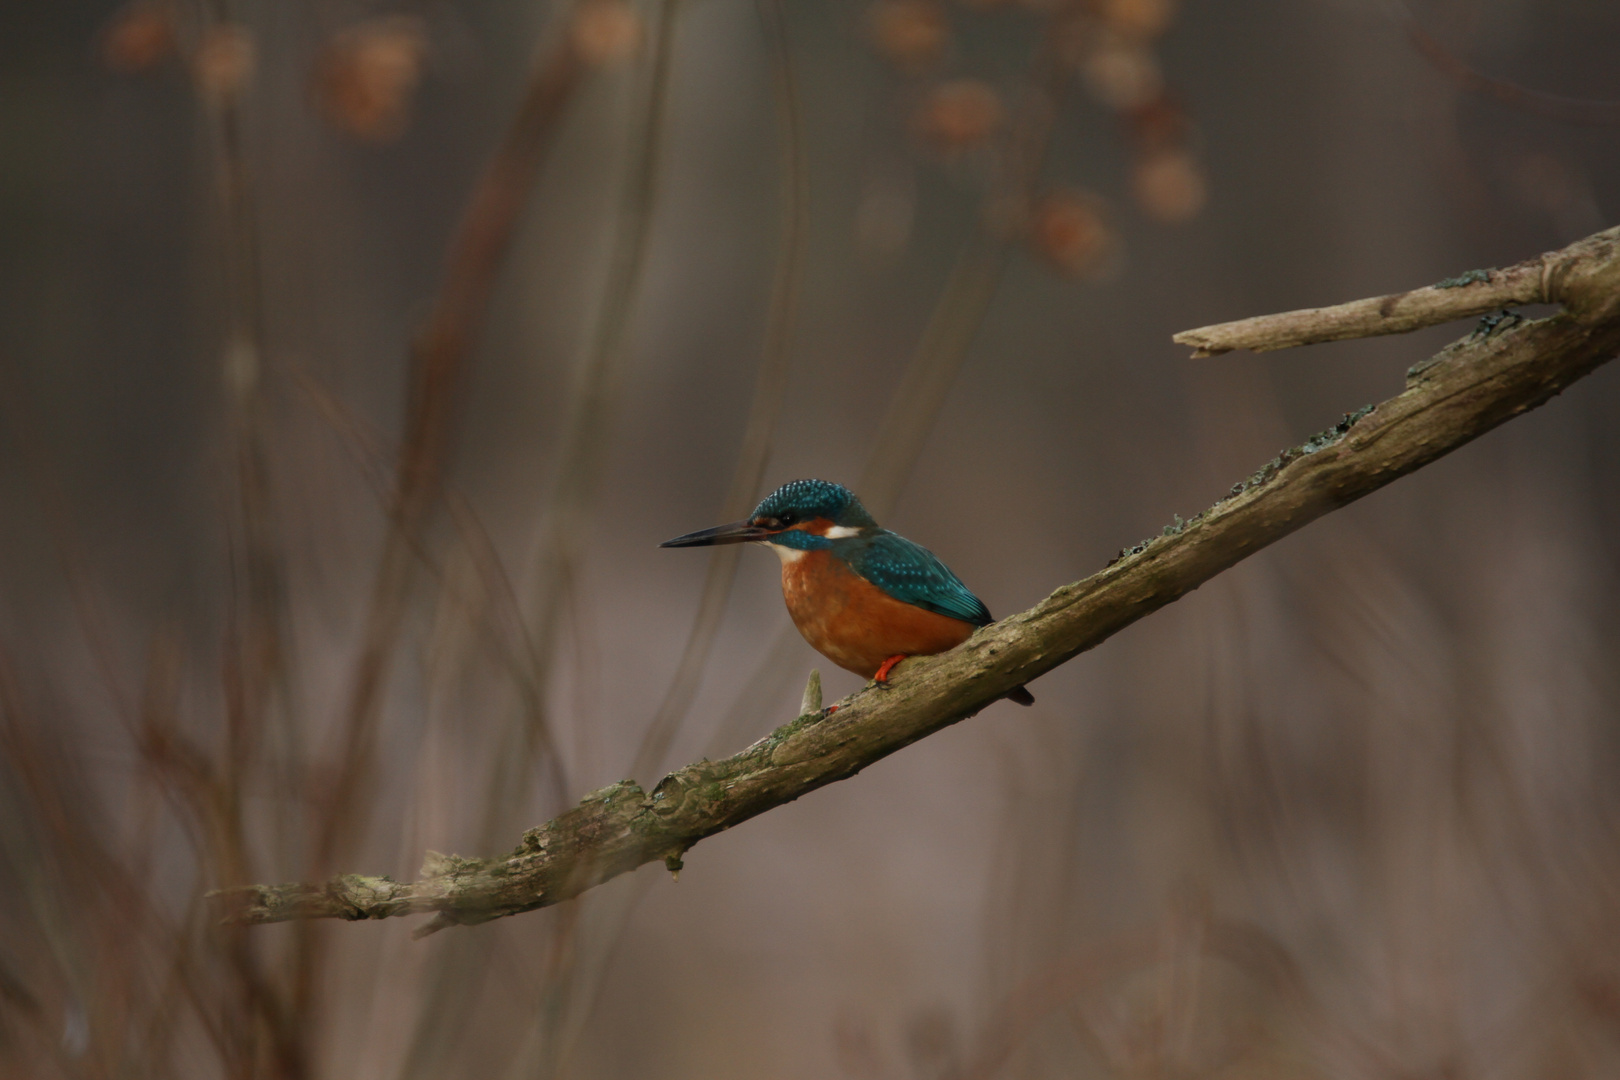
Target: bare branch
[
  {"x": 1503, "y": 91},
  {"x": 1538, "y": 281},
  {"x": 1471, "y": 387}
]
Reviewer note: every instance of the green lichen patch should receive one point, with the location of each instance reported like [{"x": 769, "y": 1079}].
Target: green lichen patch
[
  {"x": 612, "y": 793},
  {"x": 438, "y": 864},
  {"x": 1504, "y": 320},
  {"x": 1318, "y": 442},
  {"x": 1472, "y": 277},
  {"x": 365, "y": 896}
]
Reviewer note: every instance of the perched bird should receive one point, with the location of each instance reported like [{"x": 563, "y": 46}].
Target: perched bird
[{"x": 862, "y": 596}]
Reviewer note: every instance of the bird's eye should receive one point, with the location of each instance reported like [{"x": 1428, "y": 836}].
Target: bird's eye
[{"x": 786, "y": 520}]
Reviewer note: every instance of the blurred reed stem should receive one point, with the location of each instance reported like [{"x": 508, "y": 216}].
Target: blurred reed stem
[
  {"x": 765, "y": 408},
  {"x": 590, "y": 411},
  {"x": 580, "y": 945},
  {"x": 597, "y": 381},
  {"x": 440, "y": 355},
  {"x": 601, "y": 925},
  {"x": 254, "y": 672}
]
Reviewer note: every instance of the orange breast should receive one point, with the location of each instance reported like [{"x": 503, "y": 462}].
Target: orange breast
[{"x": 855, "y": 624}]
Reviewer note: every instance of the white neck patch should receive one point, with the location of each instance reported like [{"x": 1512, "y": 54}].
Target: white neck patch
[
  {"x": 783, "y": 552},
  {"x": 842, "y": 532}
]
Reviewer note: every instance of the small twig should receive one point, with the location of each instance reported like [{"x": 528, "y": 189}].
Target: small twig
[
  {"x": 1536, "y": 281},
  {"x": 811, "y": 702},
  {"x": 1475, "y": 385},
  {"x": 1570, "y": 110}
]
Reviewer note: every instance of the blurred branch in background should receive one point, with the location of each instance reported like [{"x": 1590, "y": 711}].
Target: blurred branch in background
[
  {"x": 1479, "y": 382},
  {"x": 597, "y": 932},
  {"x": 770, "y": 385},
  {"x": 365, "y": 77},
  {"x": 1540, "y": 103},
  {"x": 255, "y": 672},
  {"x": 440, "y": 355},
  {"x": 584, "y": 36},
  {"x": 596, "y": 389},
  {"x": 1393, "y": 799}
]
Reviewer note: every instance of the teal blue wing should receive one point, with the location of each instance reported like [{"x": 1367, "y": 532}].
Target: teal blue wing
[{"x": 912, "y": 574}]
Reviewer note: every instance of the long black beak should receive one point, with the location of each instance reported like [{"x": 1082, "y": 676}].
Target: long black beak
[{"x": 738, "y": 532}]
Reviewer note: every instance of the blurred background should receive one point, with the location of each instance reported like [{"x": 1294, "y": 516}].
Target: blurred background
[{"x": 355, "y": 356}]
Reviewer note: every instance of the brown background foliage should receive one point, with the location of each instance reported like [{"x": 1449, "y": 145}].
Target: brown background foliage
[{"x": 1346, "y": 811}]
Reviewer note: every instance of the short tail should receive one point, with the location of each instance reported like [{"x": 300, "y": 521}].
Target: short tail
[{"x": 1021, "y": 695}]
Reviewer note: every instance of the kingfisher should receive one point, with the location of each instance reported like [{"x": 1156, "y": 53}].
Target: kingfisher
[{"x": 862, "y": 596}]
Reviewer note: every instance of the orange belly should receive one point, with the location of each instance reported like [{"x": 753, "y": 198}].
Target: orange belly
[{"x": 855, "y": 624}]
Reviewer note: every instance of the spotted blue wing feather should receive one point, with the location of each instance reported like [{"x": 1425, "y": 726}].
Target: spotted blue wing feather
[{"x": 912, "y": 574}]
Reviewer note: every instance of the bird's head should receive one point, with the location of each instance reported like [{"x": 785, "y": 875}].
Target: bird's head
[{"x": 802, "y": 515}]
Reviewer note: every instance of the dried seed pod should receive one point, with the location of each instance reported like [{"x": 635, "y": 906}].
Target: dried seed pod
[
  {"x": 911, "y": 34},
  {"x": 1159, "y": 124},
  {"x": 1121, "y": 74},
  {"x": 1137, "y": 19},
  {"x": 606, "y": 31},
  {"x": 367, "y": 76},
  {"x": 959, "y": 115},
  {"x": 1073, "y": 37},
  {"x": 224, "y": 62},
  {"x": 1070, "y": 232},
  {"x": 1169, "y": 185},
  {"x": 139, "y": 36}
]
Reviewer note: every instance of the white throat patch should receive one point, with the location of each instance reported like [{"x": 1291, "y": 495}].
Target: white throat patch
[{"x": 783, "y": 552}]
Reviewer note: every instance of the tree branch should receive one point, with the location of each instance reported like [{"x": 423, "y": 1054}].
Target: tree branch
[
  {"x": 1471, "y": 387},
  {"x": 1542, "y": 280}
]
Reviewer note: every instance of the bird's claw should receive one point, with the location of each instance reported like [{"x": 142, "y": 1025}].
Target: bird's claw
[{"x": 881, "y": 677}]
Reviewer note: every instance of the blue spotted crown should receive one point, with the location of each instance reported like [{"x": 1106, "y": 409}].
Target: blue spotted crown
[{"x": 804, "y": 500}]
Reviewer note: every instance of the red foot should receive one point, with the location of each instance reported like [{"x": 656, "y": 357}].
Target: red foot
[
  {"x": 882, "y": 675},
  {"x": 831, "y": 709}
]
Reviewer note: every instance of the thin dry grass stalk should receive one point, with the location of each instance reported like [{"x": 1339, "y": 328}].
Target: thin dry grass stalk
[
  {"x": 1471, "y": 387},
  {"x": 599, "y": 29},
  {"x": 770, "y": 388},
  {"x": 1556, "y": 107},
  {"x": 440, "y": 356},
  {"x": 594, "y": 399}
]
